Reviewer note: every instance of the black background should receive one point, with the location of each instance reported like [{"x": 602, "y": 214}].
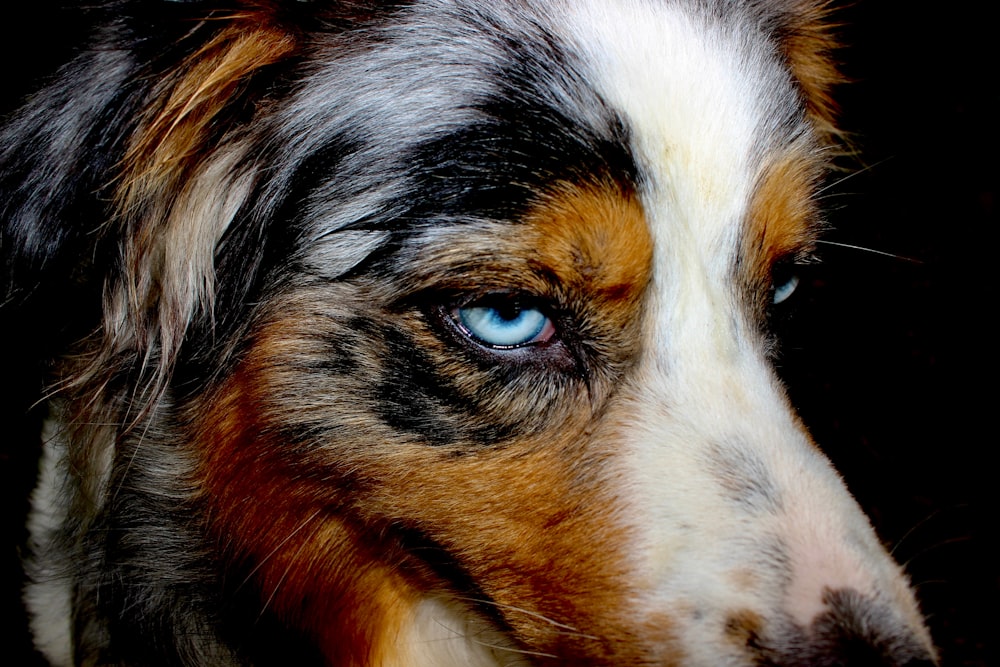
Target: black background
[{"x": 890, "y": 359}]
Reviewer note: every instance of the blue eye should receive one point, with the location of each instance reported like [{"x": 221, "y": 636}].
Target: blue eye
[
  {"x": 504, "y": 324},
  {"x": 784, "y": 289}
]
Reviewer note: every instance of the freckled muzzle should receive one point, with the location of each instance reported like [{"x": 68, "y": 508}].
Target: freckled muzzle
[{"x": 747, "y": 544}]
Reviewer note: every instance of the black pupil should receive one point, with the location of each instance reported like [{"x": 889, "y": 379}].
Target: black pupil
[{"x": 507, "y": 310}]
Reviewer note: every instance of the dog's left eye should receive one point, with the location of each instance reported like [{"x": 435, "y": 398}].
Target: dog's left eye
[
  {"x": 784, "y": 279},
  {"x": 783, "y": 287},
  {"x": 504, "y": 323}
]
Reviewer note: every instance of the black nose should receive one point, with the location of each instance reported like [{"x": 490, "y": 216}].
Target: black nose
[{"x": 854, "y": 631}]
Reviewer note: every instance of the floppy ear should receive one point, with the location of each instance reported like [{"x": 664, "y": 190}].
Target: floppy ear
[
  {"x": 181, "y": 184},
  {"x": 117, "y": 183}
]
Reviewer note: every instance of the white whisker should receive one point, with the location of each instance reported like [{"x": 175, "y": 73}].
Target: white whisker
[
  {"x": 305, "y": 522},
  {"x": 871, "y": 250},
  {"x": 534, "y": 614},
  {"x": 858, "y": 172},
  {"x": 490, "y": 645}
]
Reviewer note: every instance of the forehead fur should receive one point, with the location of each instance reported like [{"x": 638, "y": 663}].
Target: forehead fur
[
  {"x": 687, "y": 112},
  {"x": 480, "y": 127}
]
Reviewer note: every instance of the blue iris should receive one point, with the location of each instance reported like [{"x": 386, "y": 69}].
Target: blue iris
[
  {"x": 505, "y": 325},
  {"x": 784, "y": 289}
]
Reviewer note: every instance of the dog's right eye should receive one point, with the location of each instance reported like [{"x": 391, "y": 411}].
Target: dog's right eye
[{"x": 503, "y": 323}]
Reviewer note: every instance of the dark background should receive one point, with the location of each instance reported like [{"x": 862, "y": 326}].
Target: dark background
[{"x": 890, "y": 359}]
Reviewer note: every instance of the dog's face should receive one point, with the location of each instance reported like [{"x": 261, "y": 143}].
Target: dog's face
[{"x": 440, "y": 335}]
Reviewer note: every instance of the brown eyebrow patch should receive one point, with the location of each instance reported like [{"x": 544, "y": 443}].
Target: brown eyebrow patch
[
  {"x": 743, "y": 627},
  {"x": 782, "y": 219},
  {"x": 595, "y": 238}
]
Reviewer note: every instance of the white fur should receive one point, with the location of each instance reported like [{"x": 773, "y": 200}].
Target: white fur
[
  {"x": 48, "y": 595},
  {"x": 708, "y": 106},
  {"x": 445, "y": 634}
]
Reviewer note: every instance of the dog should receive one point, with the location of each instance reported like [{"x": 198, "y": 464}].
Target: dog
[{"x": 432, "y": 333}]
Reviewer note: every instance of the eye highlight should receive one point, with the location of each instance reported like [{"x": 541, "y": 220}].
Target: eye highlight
[{"x": 503, "y": 323}]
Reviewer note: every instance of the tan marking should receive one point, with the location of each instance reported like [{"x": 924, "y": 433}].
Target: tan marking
[
  {"x": 783, "y": 212},
  {"x": 280, "y": 531},
  {"x": 596, "y": 239},
  {"x": 190, "y": 99},
  {"x": 744, "y": 579},
  {"x": 170, "y": 166},
  {"x": 782, "y": 217},
  {"x": 593, "y": 239},
  {"x": 743, "y": 627},
  {"x": 538, "y": 540}
]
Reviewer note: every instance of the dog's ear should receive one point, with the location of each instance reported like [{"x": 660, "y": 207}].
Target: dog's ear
[
  {"x": 118, "y": 181},
  {"x": 183, "y": 178}
]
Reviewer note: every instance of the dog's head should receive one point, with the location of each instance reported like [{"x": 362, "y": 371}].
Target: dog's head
[{"x": 437, "y": 334}]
